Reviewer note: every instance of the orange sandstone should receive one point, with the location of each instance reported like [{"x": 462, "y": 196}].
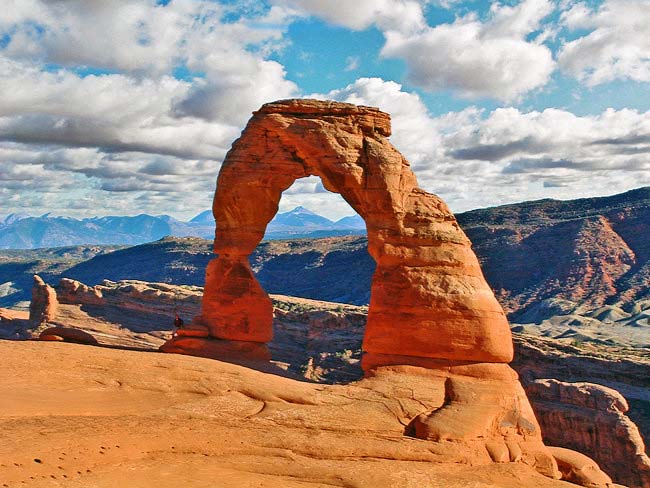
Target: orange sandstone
[
  {"x": 69, "y": 334},
  {"x": 44, "y": 305},
  {"x": 428, "y": 297},
  {"x": 431, "y": 316}
]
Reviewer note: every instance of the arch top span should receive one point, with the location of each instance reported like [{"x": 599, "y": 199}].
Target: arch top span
[
  {"x": 428, "y": 298},
  {"x": 368, "y": 118}
]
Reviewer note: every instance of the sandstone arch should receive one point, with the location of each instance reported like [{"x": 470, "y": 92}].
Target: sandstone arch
[{"x": 428, "y": 298}]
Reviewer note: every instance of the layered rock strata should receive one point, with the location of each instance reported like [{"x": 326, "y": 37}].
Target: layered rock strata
[{"x": 591, "y": 418}]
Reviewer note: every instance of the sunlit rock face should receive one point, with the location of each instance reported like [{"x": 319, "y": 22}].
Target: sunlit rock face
[
  {"x": 431, "y": 314},
  {"x": 44, "y": 305},
  {"x": 428, "y": 298}
]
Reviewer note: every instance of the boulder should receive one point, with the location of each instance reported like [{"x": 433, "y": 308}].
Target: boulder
[
  {"x": 193, "y": 331},
  {"x": 579, "y": 469},
  {"x": 238, "y": 352},
  {"x": 50, "y": 338}
]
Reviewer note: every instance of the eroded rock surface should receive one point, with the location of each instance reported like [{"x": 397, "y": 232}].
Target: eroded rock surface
[
  {"x": 580, "y": 469},
  {"x": 106, "y": 417},
  {"x": 321, "y": 341},
  {"x": 44, "y": 305},
  {"x": 591, "y": 419},
  {"x": 428, "y": 298},
  {"x": 69, "y": 334}
]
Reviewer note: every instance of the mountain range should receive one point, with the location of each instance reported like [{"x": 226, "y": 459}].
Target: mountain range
[
  {"x": 585, "y": 260},
  {"x": 18, "y": 231}
]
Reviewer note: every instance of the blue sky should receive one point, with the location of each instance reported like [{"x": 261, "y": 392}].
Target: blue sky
[{"x": 129, "y": 106}]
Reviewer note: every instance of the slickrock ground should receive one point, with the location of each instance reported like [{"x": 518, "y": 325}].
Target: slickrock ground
[
  {"x": 313, "y": 340},
  {"x": 82, "y": 416}
]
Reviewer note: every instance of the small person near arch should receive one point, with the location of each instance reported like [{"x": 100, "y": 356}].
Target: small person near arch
[{"x": 178, "y": 322}]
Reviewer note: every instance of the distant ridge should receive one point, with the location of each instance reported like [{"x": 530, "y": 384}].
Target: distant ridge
[
  {"x": 203, "y": 218},
  {"x": 19, "y": 231},
  {"x": 549, "y": 256},
  {"x": 46, "y": 231},
  {"x": 542, "y": 259},
  {"x": 509, "y": 237}
]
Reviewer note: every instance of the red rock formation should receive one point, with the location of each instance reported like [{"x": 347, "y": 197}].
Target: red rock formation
[
  {"x": 72, "y": 291},
  {"x": 8, "y": 315},
  {"x": 429, "y": 297},
  {"x": 579, "y": 469},
  {"x": 133, "y": 295},
  {"x": 486, "y": 409},
  {"x": 591, "y": 419},
  {"x": 44, "y": 305},
  {"x": 430, "y": 305}
]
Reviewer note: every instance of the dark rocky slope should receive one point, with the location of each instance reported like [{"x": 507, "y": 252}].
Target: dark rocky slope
[
  {"x": 543, "y": 259},
  {"x": 549, "y": 254}
]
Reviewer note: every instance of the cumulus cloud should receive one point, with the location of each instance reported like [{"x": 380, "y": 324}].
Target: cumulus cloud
[
  {"x": 144, "y": 98},
  {"x": 131, "y": 96},
  {"x": 401, "y": 15},
  {"x": 475, "y": 158},
  {"x": 616, "y": 47},
  {"x": 474, "y": 59},
  {"x": 502, "y": 57}
]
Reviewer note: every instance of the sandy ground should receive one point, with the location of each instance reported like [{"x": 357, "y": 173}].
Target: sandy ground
[{"x": 89, "y": 417}]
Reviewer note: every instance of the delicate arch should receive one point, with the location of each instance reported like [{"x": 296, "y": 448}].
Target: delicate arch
[{"x": 428, "y": 296}]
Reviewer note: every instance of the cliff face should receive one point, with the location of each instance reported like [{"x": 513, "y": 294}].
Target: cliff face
[{"x": 592, "y": 419}]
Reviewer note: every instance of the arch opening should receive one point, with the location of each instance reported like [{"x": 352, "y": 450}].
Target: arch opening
[
  {"x": 307, "y": 210},
  {"x": 318, "y": 276},
  {"x": 328, "y": 261}
]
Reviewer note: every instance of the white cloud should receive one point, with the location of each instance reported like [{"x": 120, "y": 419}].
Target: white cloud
[
  {"x": 236, "y": 86},
  {"x": 401, "y": 15},
  {"x": 143, "y": 40},
  {"x": 173, "y": 86},
  {"x": 479, "y": 59},
  {"x": 475, "y": 159},
  {"x": 351, "y": 63},
  {"x": 617, "y": 46},
  {"x": 495, "y": 58},
  {"x": 134, "y": 124},
  {"x": 135, "y": 36},
  {"x": 114, "y": 112},
  {"x": 408, "y": 113}
]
